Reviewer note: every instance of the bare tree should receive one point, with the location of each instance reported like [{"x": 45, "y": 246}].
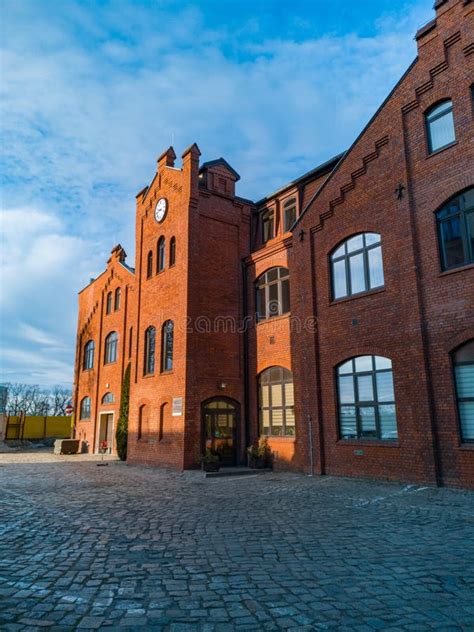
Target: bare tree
[
  {"x": 33, "y": 400},
  {"x": 60, "y": 397}
]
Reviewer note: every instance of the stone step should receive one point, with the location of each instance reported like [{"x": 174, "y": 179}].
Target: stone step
[{"x": 237, "y": 471}]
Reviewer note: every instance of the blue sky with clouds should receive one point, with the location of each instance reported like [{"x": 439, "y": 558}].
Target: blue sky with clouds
[{"x": 93, "y": 91}]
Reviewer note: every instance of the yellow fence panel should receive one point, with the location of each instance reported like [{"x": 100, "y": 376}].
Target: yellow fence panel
[{"x": 38, "y": 427}]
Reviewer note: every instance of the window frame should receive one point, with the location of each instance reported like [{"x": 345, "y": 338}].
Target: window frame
[
  {"x": 263, "y": 283},
  {"x": 149, "y": 264},
  {"x": 286, "y": 377},
  {"x": 108, "y": 398},
  {"x": 85, "y": 411},
  {"x": 346, "y": 257},
  {"x": 108, "y": 303},
  {"x": 466, "y": 239},
  {"x": 429, "y": 113},
  {"x": 149, "y": 356},
  {"x": 166, "y": 335},
  {"x": 358, "y": 404},
  {"x": 161, "y": 254},
  {"x": 289, "y": 205},
  {"x": 454, "y": 364},
  {"x": 117, "y": 299},
  {"x": 111, "y": 344},
  {"x": 267, "y": 219},
  {"x": 87, "y": 353},
  {"x": 172, "y": 255}
]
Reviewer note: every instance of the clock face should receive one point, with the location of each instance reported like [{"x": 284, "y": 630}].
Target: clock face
[{"x": 160, "y": 209}]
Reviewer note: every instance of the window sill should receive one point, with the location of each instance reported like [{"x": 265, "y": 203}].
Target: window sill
[
  {"x": 467, "y": 446},
  {"x": 168, "y": 372},
  {"x": 148, "y": 375},
  {"x": 344, "y": 299},
  {"x": 272, "y": 319},
  {"x": 378, "y": 443},
  {"x": 467, "y": 266},
  {"x": 291, "y": 438},
  {"x": 110, "y": 363},
  {"x": 441, "y": 149},
  {"x": 88, "y": 370}
]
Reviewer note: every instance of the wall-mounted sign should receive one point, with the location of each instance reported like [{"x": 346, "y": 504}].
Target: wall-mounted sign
[{"x": 177, "y": 406}]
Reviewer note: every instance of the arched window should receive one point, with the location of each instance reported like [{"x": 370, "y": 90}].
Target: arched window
[
  {"x": 273, "y": 293},
  {"x": 108, "y": 398},
  {"x": 161, "y": 429},
  {"x": 88, "y": 360},
  {"x": 289, "y": 210},
  {"x": 167, "y": 340},
  {"x": 463, "y": 360},
  {"x": 161, "y": 254},
  {"x": 456, "y": 230},
  {"x": 276, "y": 402},
  {"x": 117, "y": 299},
  {"x": 268, "y": 225},
  {"x": 111, "y": 347},
  {"x": 108, "y": 308},
  {"x": 85, "y": 411},
  {"x": 366, "y": 399},
  {"x": 356, "y": 265},
  {"x": 130, "y": 342},
  {"x": 149, "y": 365},
  {"x": 149, "y": 265},
  {"x": 172, "y": 251},
  {"x": 440, "y": 126},
  {"x": 142, "y": 421}
]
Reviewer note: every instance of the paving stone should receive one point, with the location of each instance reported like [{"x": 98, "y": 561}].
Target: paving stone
[{"x": 139, "y": 548}]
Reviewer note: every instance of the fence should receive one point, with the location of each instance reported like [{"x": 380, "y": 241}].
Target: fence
[{"x": 37, "y": 427}]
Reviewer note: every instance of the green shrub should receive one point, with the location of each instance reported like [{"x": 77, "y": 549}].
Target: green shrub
[{"x": 122, "y": 425}]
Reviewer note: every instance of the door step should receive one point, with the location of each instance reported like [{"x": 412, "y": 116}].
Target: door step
[{"x": 237, "y": 471}]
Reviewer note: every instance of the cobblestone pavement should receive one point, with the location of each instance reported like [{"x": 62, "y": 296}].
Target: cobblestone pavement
[{"x": 130, "y": 548}]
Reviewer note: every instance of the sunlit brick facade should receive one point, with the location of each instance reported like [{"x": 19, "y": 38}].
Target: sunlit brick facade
[{"x": 335, "y": 316}]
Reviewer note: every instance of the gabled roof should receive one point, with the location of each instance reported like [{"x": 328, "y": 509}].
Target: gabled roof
[{"x": 219, "y": 162}]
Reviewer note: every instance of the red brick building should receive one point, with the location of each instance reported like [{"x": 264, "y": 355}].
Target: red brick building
[{"x": 335, "y": 316}]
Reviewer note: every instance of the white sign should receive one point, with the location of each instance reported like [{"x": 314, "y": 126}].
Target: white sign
[{"x": 177, "y": 407}]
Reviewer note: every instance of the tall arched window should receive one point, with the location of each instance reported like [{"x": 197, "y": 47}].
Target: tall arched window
[
  {"x": 268, "y": 225},
  {"x": 167, "y": 340},
  {"x": 273, "y": 293},
  {"x": 289, "y": 210},
  {"x": 149, "y": 265},
  {"x": 440, "y": 126},
  {"x": 456, "y": 230},
  {"x": 111, "y": 347},
  {"x": 463, "y": 360},
  {"x": 356, "y": 265},
  {"x": 172, "y": 251},
  {"x": 366, "y": 398},
  {"x": 149, "y": 365},
  {"x": 161, "y": 254},
  {"x": 88, "y": 361},
  {"x": 85, "y": 410},
  {"x": 117, "y": 299},
  {"x": 108, "y": 398},
  {"x": 276, "y": 402},
  {"x": 108, "y": 308}
]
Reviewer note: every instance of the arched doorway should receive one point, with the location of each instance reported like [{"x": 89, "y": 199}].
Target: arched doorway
[{"x": 220, "y": 425}]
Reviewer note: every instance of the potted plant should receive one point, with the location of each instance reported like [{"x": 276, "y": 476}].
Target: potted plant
[
  {"x": 259, "y": 454},
  {"x": 210, "y": 462}
]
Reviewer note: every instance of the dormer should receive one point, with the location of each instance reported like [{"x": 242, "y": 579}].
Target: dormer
[{"x": 218, "y": 175}]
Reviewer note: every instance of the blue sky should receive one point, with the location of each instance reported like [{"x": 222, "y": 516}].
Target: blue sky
[{"x": 94, "y": 91}]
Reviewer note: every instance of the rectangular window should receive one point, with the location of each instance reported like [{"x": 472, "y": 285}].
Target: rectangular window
[
  {"x": 285, "y": 296},
  {"x": 339, "y": 278},
  {"x": 375, "y": 267},
  {"x": 357, "y": 273}
]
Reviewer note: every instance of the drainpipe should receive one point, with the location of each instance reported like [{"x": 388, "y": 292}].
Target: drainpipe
[{"x": 245, "y": 356}]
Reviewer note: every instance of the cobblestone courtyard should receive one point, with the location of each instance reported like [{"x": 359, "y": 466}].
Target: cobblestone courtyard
[{"x": 122, "y": 548}]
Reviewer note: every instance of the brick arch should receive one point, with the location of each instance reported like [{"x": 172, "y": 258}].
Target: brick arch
[
  {"x": 457, "y": 341},
  {"x": 460, "y": 184}
]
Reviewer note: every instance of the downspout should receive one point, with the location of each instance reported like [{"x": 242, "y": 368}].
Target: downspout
[{"x": 245, "y": 355}]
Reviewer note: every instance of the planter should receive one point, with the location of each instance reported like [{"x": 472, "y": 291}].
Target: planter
[
  {"x": 211, "y": 467},
  {"x": 257, "y": 463}
]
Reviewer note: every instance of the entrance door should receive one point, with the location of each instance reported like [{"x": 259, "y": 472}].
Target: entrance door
[
  {"x": 106, "y": 431},
  {"x": 220, "y": 429}
]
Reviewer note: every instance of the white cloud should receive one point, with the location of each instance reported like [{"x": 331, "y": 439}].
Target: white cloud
[{"x": 91, "y": 96}]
